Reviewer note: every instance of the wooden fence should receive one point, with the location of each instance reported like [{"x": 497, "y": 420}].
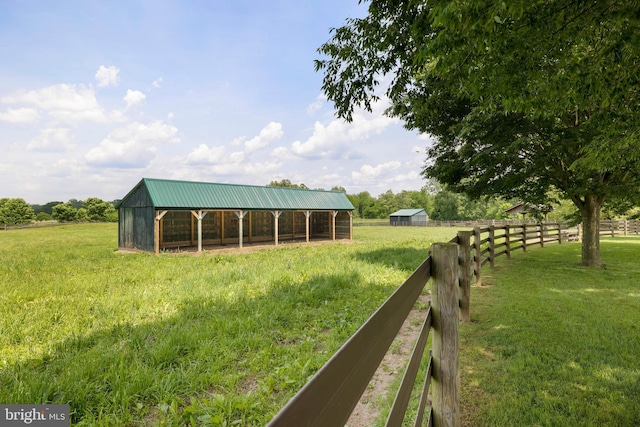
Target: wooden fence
[
  {"x": 620, "y": 228},
  {"x": 333, "y": 392}
]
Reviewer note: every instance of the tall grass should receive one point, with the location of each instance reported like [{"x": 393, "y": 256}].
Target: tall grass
[
  {"x": 218, "y": 339},
  {"x": 552, "y": 343}
]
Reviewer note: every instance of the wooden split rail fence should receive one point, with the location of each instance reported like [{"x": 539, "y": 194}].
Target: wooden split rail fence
[
  {"x": 620, "y": 228},
  {"x": 332, "y": 393}
]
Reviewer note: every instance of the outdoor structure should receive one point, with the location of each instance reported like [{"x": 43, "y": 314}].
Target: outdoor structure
[
  {"x": 158, "y": 214},
  {"x": 409, "y": 217},
  {"x": 525, "y": 208}
]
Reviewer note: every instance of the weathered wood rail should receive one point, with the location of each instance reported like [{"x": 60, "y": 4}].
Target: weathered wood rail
[{"x": 332, "y": 393}]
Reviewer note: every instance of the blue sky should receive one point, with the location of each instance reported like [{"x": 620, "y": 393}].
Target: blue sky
[{"x": 95, "y": 95}]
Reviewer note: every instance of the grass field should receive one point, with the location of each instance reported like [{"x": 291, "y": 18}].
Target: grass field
[
  {"x": 552, "y": 343},
  {"x": 219, "y": 339}
]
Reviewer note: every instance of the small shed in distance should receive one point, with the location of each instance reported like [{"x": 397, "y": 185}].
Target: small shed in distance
[
  {"x": 158, "y": 214},
  {"x": 409, "y": 217}
]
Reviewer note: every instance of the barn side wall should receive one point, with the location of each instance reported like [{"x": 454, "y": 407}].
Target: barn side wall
[{"x": 136, "y": 221}]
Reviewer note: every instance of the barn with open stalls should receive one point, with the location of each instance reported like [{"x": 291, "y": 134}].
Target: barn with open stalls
[
  {"x": 409, "y": 217},
  {"x": 159, "y": 214}
]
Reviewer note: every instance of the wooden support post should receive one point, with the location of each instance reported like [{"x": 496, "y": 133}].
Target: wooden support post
[
  {"x": 240, "y": 215},
  {"x": 307, "y": 215},
  {"x": 350, "y": 225},
  {"x": 541, "y": 234},
  {"x": 524, "y": 237},
  {"x": 199, "y": 216},
  {"x": 507, "y": 240},
  {"x": 559, "y": 233},
  {"x": 156, "y": 232},
  {"x": 222, "y": 215},
  {"x": 492, "y": 245},
  {"x": 477, "y": 255},
  {"x": 464, "y": 257},
  {"x": 333, "y": 224},
  {"x": 445, "y": 387},
  {"x": 625, "y": 227},
  {"x": 276, "y": 224}
]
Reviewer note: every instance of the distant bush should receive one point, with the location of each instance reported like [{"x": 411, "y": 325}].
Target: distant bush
[{"x": 43, "y": 216}]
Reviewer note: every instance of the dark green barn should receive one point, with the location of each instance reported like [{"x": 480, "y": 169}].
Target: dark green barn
[{"x": 158, "y": 214}]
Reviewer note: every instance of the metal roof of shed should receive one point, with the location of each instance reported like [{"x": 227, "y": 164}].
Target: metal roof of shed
[
  {"x": 170, "y": 194},
  {"x": 407, "y": 212}
]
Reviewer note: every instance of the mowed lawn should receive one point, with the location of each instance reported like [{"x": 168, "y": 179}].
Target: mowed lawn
[
  {"x": 552, "y": 343},
  {"x": 181, "y": 339}
]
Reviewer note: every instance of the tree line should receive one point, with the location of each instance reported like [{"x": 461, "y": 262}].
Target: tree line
[
  {"x": 440, "y": 204},
  {"x": 16, "y": 211}
]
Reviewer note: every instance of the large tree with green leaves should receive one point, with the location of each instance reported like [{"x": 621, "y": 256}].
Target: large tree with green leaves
[
  {"x": 15, "y": 212},
  {"x": 522, "y": 97}
]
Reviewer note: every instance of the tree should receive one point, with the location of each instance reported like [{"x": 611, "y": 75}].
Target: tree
[
  {"x": 98, "y": 210},
  {"x": 446, "y": 206},
  {"x": 286, "y": 183},
  {"x": 522, "y": 97},
  {"x": 46, "y": 208},
  {"x": 339, "y": 188},
  {"x": 361, "y": 202},
  {"x": 15, "y": 212},
  {"x": 64, "y": 212}
]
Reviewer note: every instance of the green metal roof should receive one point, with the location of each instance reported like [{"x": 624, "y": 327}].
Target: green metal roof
[
  {"x": 169, "y": 194},
  {"x": 407, "y": 212}
]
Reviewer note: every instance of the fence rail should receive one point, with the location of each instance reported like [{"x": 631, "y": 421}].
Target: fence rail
[{"x": 331, "y": 395}]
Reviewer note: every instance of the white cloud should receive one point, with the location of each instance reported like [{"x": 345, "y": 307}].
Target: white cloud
[
  {"x": 317, "y": 104},
  {"x": 132, "y": 146},
  {"x": 203, "y": 155},
  {"x": 52, "y": 139},
  {"x": 271, "y": 132},
  {"x": 245, "y": 169},
  {"x": 107, "y": 76},
  {"x": 335, "y": 139},
  {"x": 133, "y": 97},
  {"x": 157, "y": 82},
  {"x": 20, "y": 115},
  {"x": 170, "y": 116},
  {"x": 225, "y": 163},
  {"x": 283, "y": 153},
  {"x": 64, "y": 102},
  {"x": 238, "y": 141},
  {"x": 368, "y": 173}
]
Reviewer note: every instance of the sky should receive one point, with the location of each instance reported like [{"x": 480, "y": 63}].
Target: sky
[{"x": 96, "y": 95}]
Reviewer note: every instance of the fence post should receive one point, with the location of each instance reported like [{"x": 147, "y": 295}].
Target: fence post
[
  {"x": 524, "y": 237},
  {"x": 464, "y": 255},
  {"x": 541, "y": 235},
  {"x": 492, "y": 245},
  {"x": 445, "y": 387},
  {"x": 477, "y": 257},
  {"x": 507, "y": 240},
  {"x": 559, "y": 233},
  {"x": 625, "y": 227}
]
